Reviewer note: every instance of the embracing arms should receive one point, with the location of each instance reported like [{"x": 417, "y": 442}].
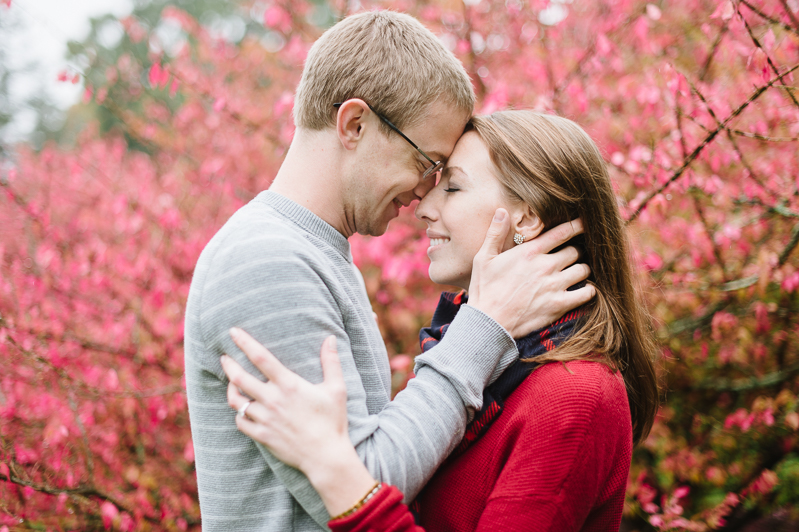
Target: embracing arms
[
  {"x": 566, "y": 466},
  {"x": 524, "y": 288}
]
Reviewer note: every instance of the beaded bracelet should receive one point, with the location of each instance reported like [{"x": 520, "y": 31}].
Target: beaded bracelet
[{"x": 360, "y": 503}]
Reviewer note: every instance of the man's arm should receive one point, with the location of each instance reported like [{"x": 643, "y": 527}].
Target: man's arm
[{"x": 287, "y": 307}]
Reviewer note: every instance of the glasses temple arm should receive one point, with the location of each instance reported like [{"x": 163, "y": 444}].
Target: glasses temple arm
[{"x": 397, "y": 130}]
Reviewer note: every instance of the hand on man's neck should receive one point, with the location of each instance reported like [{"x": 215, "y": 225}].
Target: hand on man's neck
[{"x": 311, "y": 176}]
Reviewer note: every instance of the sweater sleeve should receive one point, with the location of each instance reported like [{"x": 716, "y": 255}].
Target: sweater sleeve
[
  {"x": 384, "y": 512},
  {"x": 567, "y": 444}
]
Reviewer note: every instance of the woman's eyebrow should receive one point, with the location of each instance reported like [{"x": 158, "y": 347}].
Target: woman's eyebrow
[{"x": 452, "y": 169}]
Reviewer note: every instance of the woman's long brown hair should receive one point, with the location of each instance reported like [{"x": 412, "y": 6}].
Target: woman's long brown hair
[{"x": 553, "y": 166}]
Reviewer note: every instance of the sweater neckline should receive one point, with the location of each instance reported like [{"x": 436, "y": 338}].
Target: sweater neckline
[{"x": 307, "y": 220}]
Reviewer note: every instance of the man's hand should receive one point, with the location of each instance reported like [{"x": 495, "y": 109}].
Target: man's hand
[{"x": 524, "y": 288}]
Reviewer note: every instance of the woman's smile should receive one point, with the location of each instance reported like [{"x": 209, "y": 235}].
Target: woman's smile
[{"x": 435, "y": 242}]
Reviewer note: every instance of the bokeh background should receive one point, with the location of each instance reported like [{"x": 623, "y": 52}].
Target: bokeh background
[{"x": 182, "y": 113}]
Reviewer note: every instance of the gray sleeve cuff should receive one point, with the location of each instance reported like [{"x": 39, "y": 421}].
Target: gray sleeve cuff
[{"x": 473, "y": 353}]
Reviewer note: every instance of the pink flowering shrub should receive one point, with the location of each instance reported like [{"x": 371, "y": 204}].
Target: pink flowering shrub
[{"x": 693, "y": 104}]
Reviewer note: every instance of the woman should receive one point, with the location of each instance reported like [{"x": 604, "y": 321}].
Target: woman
[{"x": 551, "y": 448}]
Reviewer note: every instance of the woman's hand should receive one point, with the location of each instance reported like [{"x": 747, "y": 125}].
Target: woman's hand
[
  {"x": 295, "y": 419},
  {"x": 302, "y": 424}
]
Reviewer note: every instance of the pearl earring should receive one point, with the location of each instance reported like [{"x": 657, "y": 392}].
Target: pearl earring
[{"x": 518, "y": 239}]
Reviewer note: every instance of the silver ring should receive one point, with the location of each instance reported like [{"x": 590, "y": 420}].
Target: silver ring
[{"x": 243, "y": 409}]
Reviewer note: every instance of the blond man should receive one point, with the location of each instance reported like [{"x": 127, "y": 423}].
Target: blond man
[{"x": 379, "y": 108}]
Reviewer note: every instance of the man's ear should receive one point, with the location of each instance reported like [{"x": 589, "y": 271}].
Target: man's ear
[
  {"x": 350, "y": 122},
  {"x": 526, "y": 222}
]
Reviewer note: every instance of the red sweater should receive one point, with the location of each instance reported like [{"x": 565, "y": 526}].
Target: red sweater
[{"x": 556, "y": 459}]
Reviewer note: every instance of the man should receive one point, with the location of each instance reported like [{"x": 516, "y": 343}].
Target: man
[{"x": 281, "y": 269}]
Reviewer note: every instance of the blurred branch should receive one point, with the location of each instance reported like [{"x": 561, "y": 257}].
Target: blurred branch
[
  {"x": 731, "y": 286},
  {"x": 82, "y": 491},
  {"x": 87, "y": 449},
  {"x": 713, "y": 50},
  {"x": 96, "y": 392},
  {"x": 789, "y": 13},
  {"x": 762, "y": 137},
  {"x": 768, "y": 59},
  {"x": 712, "y": 135},
  {"x": 751, "y": 383},
  {"x": 738, "y": 284},
  {"x": 689, "y": 324},
  {"x": 584, "y": 59},
  {"x": 678, "y": 116},
  {"x": 20, "y": 201},
  {"x": 748, "y": 167},
  {"x": 786, "y": 326},
  {"x": 782, "y": 210},
  {"x": 234, "y": 115},
  {"x": 791, "y": 245},
  {"x": 729, "y": 132},
  {"x": 713, "y": 244},
  {"x": 769, "y": 18}
]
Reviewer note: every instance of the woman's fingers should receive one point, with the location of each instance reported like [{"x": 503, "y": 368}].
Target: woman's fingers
[
  {"x": 260, "y": 356},
  {"x": 235, "y": 398},
  {"x": 255, "y": 430},
  {"x": 239, "y": 377},
  {"x": 255, "y": 410}
]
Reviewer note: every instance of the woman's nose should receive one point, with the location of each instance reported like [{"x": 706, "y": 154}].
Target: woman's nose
[{"x": 425, "y": 210}]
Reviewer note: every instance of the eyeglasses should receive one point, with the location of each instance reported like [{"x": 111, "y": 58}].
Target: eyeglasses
[{"x": 437, "y": 165}]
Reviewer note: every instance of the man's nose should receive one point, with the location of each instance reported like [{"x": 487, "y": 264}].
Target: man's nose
[{"x": 425, "y": 185}]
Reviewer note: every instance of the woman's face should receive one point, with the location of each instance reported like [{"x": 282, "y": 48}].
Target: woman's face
[{"x": 459, "y": 210}]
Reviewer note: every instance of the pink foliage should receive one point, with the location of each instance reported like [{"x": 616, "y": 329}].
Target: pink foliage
[{"x": 688, "y": 101}]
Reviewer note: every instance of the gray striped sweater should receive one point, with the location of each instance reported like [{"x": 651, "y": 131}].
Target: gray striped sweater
[{"x": 284, "y": 275}]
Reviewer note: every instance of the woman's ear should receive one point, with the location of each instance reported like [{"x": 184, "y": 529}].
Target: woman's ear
[{"x": 527, "y": 223}]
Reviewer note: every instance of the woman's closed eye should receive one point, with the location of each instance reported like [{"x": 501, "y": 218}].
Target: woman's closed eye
[{"x": 451, "y": 187}]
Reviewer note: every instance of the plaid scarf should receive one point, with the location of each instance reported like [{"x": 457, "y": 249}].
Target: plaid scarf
[{"x": 532, "y": 345}]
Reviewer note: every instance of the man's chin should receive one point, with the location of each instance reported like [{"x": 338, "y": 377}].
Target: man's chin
[
  {"x": 374, "y": 230},
  {"x": 379, "y": 227}
]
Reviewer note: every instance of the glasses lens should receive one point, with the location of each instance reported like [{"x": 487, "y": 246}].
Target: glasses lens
[{"x": 433, "y": 170}]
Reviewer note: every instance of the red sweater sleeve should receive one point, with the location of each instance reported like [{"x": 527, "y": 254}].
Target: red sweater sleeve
[
  {"x": 565, "y": 457},
  {"x": 383, "y": 512},
  {"x": 570, "y": 447}
]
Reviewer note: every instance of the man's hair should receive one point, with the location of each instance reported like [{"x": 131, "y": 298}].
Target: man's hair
[{"x": 387, "y": 59}]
